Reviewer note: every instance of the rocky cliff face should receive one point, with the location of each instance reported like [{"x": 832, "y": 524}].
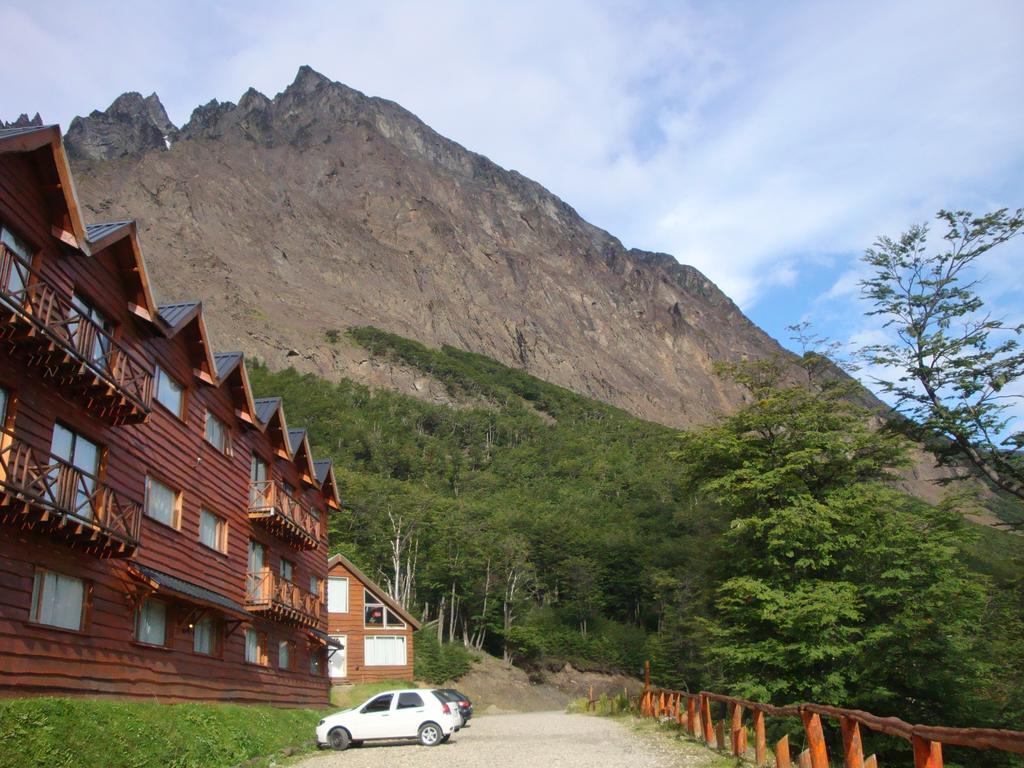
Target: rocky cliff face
[{"x": 319, "y": 209}]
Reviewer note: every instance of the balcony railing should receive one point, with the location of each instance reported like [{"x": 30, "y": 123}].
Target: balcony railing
[
  {"x": 282, "y": 515},
  {"x": 40, "y": 492},
  {"x": 69, "y": 347},
  {"x": 276, "y": 598}
]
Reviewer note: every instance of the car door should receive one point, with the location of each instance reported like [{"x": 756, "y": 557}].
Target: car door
[
  {"x": 374, "y": 719},
  {"x": 410, "y": 712}
]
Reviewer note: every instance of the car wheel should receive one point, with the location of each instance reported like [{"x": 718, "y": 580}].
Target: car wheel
[
  {"x": 431, "y": 734},
  {"x": 339, "y": 739}
]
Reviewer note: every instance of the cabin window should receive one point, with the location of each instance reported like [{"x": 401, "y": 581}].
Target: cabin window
[
  {"x": 257, "y": 587},
  {"x": 259, "y": 484},
  {"x": 314, "y": 585},
  {"x": 287, "y": 569},
  {"x": 58, "y": 600},
  {"x": 376, "y": 614},
  {"x": 385, "y": 651},
  {"x": 337, "y": 595},
  {"x": 14, "y": 272},
  {"x": 170, "y": 394},
  {"x": 75, "y": 480},
  {"x": 213, "y": 530},
  {"x": 284, "y": 655},
  {"x": 206, "y": 636},
  {"x": 163, "y": 503},
  {"x": 91, "y": 339},
  {"x": 316, "y": 663},
  {"x": 255, "y": 647},
  {"x": 151, "y": 623},
  {"x": 217, "y": 434}
]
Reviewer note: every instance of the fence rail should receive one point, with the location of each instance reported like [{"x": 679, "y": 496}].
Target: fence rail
[{"x": 693, "y": 712}]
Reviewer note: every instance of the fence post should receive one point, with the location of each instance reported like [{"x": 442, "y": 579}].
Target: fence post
[
  {"x": 853, "y": 750},
  {"x": 782, "y": 753},
  {"x": 805, "y": 759},
  {"x": 760, "y": 743},
  {"x": 871, "y": 762},
  {"x": 815, "y": 740},
  {"x": 927, "y": 754},
  {"x": 720, "y": 735},
  {"x": 691, "y": 715},
  {"x": 738, "y": 731},
  {"x": 661, "y": 705},
  {"x": 705, "y": 718}
]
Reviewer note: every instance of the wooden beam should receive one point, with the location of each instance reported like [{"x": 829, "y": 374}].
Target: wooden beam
[
  {"x": 927, "y": 754},
  {"x": 760, "y": 742},
  {"x": 853, "y": 750},
  {"x": 782, "y": 759}
]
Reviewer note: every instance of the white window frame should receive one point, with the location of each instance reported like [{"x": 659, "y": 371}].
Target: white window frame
[
  {"x": 343, "y": 592},
  {"x": 375, "y": 663},
  {"x": 387, "y": 611},
  {"x": 178, "y": 503},
  {"x": 175, "y": 385},
  {"x": 45, "y": 610}
]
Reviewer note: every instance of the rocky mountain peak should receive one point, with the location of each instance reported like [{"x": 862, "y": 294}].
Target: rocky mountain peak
[
  {"x": 23, "y": 121},
  {"x": 131, "y": 125}
]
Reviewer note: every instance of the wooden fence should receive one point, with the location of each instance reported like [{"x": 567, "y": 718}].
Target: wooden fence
[{"x": 692, "y": 711}]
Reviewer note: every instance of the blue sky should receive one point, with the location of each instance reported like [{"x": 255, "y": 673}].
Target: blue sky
[{"x": 767, "y": 144}]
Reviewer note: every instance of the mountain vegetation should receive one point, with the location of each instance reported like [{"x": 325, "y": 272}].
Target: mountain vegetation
[{"x": 766, "y": 554}]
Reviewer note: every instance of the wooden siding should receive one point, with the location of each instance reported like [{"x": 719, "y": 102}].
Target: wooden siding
[
  {"x": 351, "y": 625},
  {"x": 103, "y": 659}
]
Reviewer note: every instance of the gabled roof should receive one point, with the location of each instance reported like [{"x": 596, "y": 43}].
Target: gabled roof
[
  {"x": 266, "y": 407},
  {"x": 96, "y": 233},
  {"x": 371, "y": 585},
  {"x": 226, "y": 362},
  {"x": 295, "y": 438},
  {"x": 323, "y": 468},
  {"x": 328, "y": 484},
  {"x": 26, "y": 129},
  {"x": 176, "y": 315}
]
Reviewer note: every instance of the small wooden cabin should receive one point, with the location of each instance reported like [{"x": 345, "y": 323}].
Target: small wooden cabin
[
  {"x": 376, "y": 631},
  {"x": 162, "y": 534}
]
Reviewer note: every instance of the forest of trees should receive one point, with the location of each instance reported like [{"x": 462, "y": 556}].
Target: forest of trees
[{"x": 766, "y": 555}]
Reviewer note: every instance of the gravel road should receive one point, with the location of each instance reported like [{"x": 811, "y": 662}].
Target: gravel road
[{"x": 548, "y": 739}]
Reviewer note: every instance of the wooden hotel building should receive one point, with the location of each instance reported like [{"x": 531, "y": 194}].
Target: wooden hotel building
[{"x": 162, "y": 533}]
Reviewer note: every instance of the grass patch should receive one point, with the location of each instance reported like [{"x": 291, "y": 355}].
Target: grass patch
[
  {"x": 697, "y": 754},
  {"x": 348, "y": 696},
  {"x": 84, "y": 733}
]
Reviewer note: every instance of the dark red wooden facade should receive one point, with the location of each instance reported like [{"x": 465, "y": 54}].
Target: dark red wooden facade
[{"x": 81, "y": 340}]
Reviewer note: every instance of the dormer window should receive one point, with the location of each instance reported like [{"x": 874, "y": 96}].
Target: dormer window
[
  {"x": 217, "y": 434},
  {"x": 170, "y": 394}
]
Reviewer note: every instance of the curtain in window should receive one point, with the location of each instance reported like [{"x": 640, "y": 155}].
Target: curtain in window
[
  {"x": 203, "y": 640},
  {"x": 161, "y": 502},
  {"x": 252, "y": 647},
  {"x": 209, "y": 529},
  {"x": 337, "y": 595},
  {"x": 284, "y": 655},
  {"x": 385, "y": 651},
  {"x": 152, "y": 623},
  {"x": 57, "y": 600}
]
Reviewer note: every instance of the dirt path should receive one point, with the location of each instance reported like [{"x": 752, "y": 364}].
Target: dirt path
[{"x": 549, "y": 739}]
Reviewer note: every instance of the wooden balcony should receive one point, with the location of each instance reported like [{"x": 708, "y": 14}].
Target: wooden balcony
[
  {"x": 42, "y": 493},
  {"x": 270, "y": 596},
  {"x": 82, "y": 359},
  {"x": 283, "y": 516}
]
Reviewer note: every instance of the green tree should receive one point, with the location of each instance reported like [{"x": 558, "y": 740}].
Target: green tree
[
  {"x": 832, "y": 585},
  {"x": 955, "y": 364}
]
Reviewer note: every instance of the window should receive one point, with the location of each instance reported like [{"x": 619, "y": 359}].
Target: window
[
  {"x": 255, "y": 647},
  {"x": 206, "y": 636},
  {"x": 14, "y": 281},
  {"x": 314, "y": 580},
  {"x": 57, "y": 600},
  {"x": 287, "y": 569},
  {"x": 388, "y": 651},
  {"x": 409, "y": 700},
  {"x": 284, "y": 655},
  {"x": 76, "y": 453},
  {"x": 258, "y": 587},
  {"x": 316, "y": 663},
  {"x": 337, "y": 595},
  {"x": 213, "y": 530},
  {"x": 217, "y": 434},
  {"x": 93, "y": 346},
  {"x": 376, "y": 614},
  {"x": 380, "y": 704},
  {"x": 151, "y": 623},
  {"x": 259, "y": 487},
  {"x": 163, "y": 503},
  {"x": 170, "y": 394}
]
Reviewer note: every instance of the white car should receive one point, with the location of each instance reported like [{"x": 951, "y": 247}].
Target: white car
[{"x": 412, "y": 713}]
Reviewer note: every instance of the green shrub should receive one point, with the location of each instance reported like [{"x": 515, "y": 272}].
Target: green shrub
[
  {"x": 435, "y": 663},
  {"x": 82, "y": 733}
]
